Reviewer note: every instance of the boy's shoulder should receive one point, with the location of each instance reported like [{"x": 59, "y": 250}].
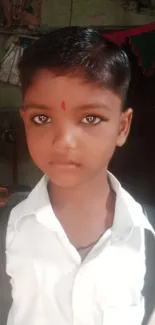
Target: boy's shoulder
[
  {"x": 13, "y": 207},
  {"x": 25, "y": 204},
  {"x": 128, "y": 208},
  {"x": 143, "y": 214}
]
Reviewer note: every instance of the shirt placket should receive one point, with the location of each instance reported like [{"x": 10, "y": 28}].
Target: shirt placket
[{"x": 82, "y": 308}]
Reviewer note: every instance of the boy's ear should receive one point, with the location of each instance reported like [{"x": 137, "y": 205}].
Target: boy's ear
[{"x": 124, "y": 128}]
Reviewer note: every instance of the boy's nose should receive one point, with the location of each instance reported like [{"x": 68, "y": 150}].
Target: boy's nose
[{"x": 65, "y": 139}]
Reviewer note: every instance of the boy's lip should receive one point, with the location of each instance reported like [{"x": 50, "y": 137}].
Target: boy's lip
[{"x": 65, "y": 163}]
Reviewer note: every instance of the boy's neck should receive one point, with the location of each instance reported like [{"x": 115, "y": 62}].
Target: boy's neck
[
  {"x": 86, "y": 194},
  {"x": 86, "y": 212}
]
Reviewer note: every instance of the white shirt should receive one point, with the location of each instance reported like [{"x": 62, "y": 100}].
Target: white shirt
[
  {"x": 152, "y": 319},
  {"x": 50, "y": 284}
]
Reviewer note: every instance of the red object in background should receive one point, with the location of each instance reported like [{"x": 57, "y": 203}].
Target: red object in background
[
  {"x": 119, "y": 37},
  {"x": 141, "y": 42},
  {"x": 4, "y": 195}
]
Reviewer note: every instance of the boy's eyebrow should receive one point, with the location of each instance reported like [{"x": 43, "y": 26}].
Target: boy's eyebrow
[
  {"x": 93, "y": 105},
  {"x": 36, "y": 106}
]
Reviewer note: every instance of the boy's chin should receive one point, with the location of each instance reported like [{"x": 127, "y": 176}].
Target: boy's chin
[{"x": 67, "y": 181}]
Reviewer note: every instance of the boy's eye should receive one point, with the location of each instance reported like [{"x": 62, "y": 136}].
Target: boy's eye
[
  {"x": 41, "y": 119},
  {"x": 91, "y": 119}
]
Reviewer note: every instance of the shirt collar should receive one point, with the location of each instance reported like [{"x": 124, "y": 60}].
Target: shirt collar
[
  {"x": 38, "y": 204},
  {"x": 128, "y": 213}
]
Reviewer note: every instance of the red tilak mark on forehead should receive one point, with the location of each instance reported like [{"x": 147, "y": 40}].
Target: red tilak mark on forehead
[{"x": 63, "y": 106}]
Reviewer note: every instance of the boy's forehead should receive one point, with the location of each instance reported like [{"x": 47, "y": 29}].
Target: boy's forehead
[{"x": 49, "y": 89}]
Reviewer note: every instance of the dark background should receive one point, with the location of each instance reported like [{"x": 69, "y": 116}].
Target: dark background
[{"x": 134, "y": 164}]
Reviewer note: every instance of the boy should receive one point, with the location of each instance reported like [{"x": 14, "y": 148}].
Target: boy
[{"x": 75, "y": 246}]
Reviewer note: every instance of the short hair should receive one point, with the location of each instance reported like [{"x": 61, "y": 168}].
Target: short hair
[{"x": 77, "y": 51}]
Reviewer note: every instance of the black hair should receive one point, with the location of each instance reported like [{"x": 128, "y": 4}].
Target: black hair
[{"x": 77, "y": 51}]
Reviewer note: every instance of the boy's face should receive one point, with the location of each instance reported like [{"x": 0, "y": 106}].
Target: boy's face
[{"x": 72, "y": 127}]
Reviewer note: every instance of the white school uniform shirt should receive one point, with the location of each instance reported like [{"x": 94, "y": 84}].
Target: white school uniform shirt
[
  {"x": 152, "y": 319},
  {"x": 50, "y": 284}
]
